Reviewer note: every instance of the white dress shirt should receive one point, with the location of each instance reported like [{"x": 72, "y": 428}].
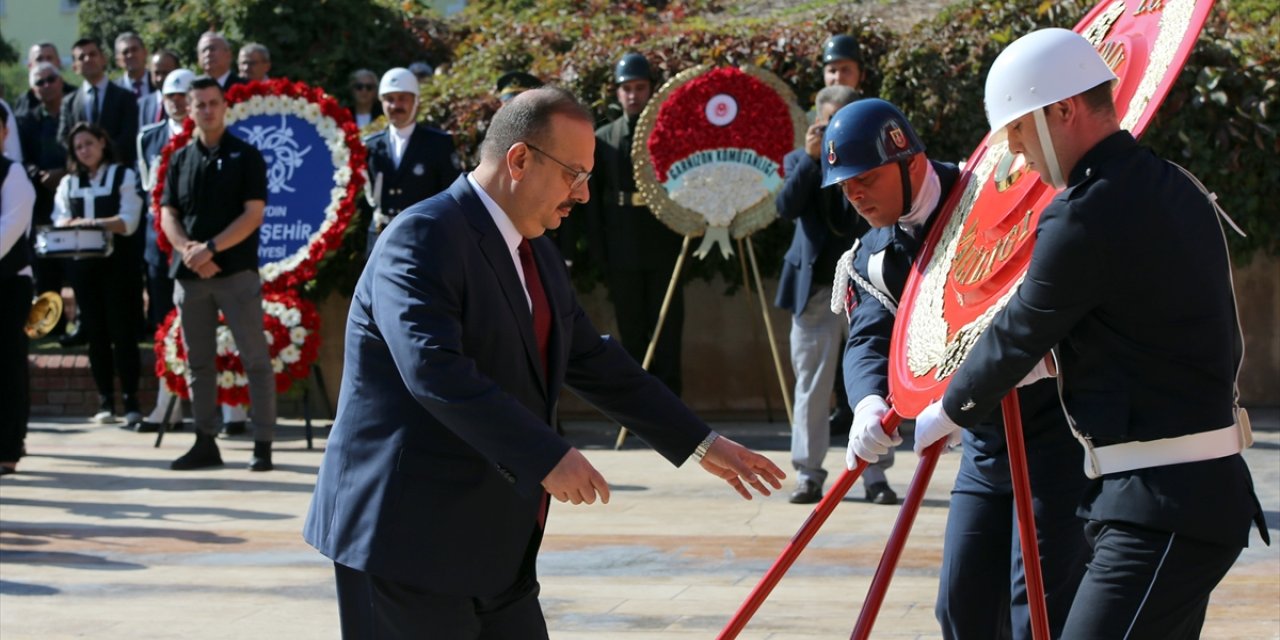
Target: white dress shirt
[
  {"x": 89, "y": 107},
  {"x": 17, "y": 198},
  {"x": 400, "y": 141},
  {"x": 99, "y": 185}
]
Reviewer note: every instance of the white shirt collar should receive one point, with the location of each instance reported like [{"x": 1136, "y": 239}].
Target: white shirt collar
[
  {"x": 510, "y": 235},
  {"x": 924, "y": 204},
  {"x": 101, "y": 85},
  {"x": 175, "y": 126},
  {"x": 404, "y": 132},
  {"x": 222, "y": 79}
]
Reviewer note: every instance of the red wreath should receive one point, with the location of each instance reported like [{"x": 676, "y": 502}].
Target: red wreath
[
  {"x": 332, "y": 236},
  {"x": 682, "y": 128},
  {"x": 170, "y": 332}
]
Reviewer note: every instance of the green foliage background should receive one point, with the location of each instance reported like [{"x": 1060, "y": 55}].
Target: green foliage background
[{"x": 1219, "y": 122}]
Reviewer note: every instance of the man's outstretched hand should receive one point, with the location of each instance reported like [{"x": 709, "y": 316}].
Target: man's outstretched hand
[{"x": 740, "y": 466}]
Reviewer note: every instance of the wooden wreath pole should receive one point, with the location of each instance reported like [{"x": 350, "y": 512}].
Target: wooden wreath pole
[
  {"x": 662, "y": 319},
  {"x": 768, "y": 327},
  {"x": 755, "y": 328},
  {"x": 801, "y": 539}
]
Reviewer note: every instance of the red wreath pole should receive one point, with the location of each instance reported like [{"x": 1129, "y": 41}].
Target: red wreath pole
[
  {"x": 801, "y": 539},
  {"x": 1026, "y": 515},
  {"x": 897, "y": 540}
]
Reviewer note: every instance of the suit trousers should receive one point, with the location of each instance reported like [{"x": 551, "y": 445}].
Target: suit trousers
[
  {"x": 373, "y": 608},
  {"x": 978, "y": 601},
  {"x": 15, "y": 398},
  {"x": 817, "y": 341},
  {"x": 637, "y": 298},
  {"x": 1143, "y": 584},
  {"x": 239, "y": 298}
]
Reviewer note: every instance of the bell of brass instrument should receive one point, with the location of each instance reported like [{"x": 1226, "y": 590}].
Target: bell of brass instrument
[{"x": 46, "y": 310}]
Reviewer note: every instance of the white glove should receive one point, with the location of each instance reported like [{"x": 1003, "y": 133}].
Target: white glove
[
  {"x": 1044, "y": 369},
  {"x": 932, "y": 425},
  {"x": 867, "y": 439}
]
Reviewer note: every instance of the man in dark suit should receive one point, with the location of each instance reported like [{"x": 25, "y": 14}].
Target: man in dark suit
[
  {"x": 151, "y": 108},
  {"x": 100, "y": 101},
  {"x": 1130, "y": 287},
  {"x": 825, "y": 227},
  {"x": 408, "y": 162},
  {"x": 636, "y": 251},
  {"x": 432, "y": 495},
  {"x": 214, "y": 54}
]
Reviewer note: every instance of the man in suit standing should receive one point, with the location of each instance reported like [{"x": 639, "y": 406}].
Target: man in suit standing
[
  {"x": 432, "y": 495},
  {"x": 214, "y": 53},
  {"x": 637, "y": 252},
  {"x": 131, "y": 57},
  {"x": 408, "y": 162},
  {"x": 100, "y": 101},
  {"x": 1131, "y": 288},
  {"x": 254, "y": 61},
  {"x": 825, "y": 227},
  {"x": 151, "y": 110}
]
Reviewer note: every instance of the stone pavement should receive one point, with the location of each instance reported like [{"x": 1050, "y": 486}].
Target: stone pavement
[{"x": 99, "y": 539}]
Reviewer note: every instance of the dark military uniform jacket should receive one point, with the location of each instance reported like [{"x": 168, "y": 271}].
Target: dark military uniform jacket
[
  {"x": 428, "y": 167},
  {"x": 624, "y": 235},
  {"x": 151, "y": 142},
  {"x": 1130, "y": 283}
]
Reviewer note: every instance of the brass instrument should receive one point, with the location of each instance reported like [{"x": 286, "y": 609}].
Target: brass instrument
[{"x": 46, "y": 310}]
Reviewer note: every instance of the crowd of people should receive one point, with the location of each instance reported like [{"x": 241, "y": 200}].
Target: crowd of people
[{"x": 464, "y": 327}]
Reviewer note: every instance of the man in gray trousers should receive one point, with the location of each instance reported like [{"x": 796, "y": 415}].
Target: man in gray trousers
[{"x": 214, "y": 196}]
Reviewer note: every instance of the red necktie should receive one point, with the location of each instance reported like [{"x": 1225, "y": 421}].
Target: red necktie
[{"x": 538, "y": 295}]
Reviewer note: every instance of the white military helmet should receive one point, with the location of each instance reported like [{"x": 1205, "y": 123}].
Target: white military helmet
[
  {"x": 177, "y": 81},
  {"x": 1038, "y": 70},
  {"x": 398, "y": 80}
]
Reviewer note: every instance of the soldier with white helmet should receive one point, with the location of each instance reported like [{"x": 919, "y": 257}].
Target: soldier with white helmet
[
  {"x": 408, "y": 162},
  {"x": 1130, "y": 286}
]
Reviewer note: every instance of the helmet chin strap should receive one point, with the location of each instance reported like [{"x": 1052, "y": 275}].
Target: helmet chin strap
[
  {"x": 906, "y": 187},
  {"x": 1050, "y": 155}
]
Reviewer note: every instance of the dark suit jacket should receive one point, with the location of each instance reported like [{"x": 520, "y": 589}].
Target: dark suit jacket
[
  {"x": 431, "y": 476},
  {"x": 151, "y": 142},
  {"x": 428, "y": 167},
  {"x": 1130, "y": 281},
  {"x": 119, "y": 117},
  {"x": 819, "y": 214},
  {"x": 623, "y": 237},
  {"x": 149, "y": 109}
]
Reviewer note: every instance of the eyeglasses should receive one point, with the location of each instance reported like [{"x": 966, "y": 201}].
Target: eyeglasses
[
  {"x": 46, "y": 81},
  {"x": 579, "y": 177},
  {"x": 364, "y": 86}
]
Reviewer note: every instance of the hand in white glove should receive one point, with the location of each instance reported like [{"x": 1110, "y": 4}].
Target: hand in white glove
[
  {"x": 932, "y": 425},
  {"x": 1044, "y": 369},
  {"x": 867, "y": 439}
]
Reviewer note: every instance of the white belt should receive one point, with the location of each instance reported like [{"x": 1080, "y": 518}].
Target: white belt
[{"x": 1207, "y": 445}]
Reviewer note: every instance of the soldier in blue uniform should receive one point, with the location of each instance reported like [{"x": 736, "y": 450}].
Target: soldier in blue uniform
[
  {"x": 1130, "y": 285},
  {"x": 408, "y": 162},
  {"x": 874, "y": 156},
  {"x": 637, "y": 252}
]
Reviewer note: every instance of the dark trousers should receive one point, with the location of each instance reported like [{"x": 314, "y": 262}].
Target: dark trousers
[
  {"x": 372, "y": 608},
  {"x": 15, "y": 398},
  {"x": 982, "y": 593},
  {"x": 637, "y": 298},
  {"x": 1145, "y": 584},
  {"x": 109, "y": 297},
  {"x": 159, "y": 295}
]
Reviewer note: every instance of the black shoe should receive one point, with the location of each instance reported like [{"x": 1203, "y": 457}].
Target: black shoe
[
  {"x": 261, "y": 460},
  {"x": 840, "y": 420},
  {"x": 76, "y": 339},
  {"x": 880, "y": 493},
  {"x": 807, "y": 492},
  {"x": 204, "y": 453},
  {"x": 236, "y": 428}
]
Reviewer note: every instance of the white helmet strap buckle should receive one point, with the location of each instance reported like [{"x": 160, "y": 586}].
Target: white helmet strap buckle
[{"x": 1050, "y": 154}]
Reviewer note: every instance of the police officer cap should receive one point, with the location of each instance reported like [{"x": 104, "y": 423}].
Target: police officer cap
[
  {"x": 177, "y": 81},
  {"x": 632, "y": 66},
  {"x": 513, "y": 83},
  {"x": 864, "y": 135},
  {"x": 841, "y": 47},
  {"x": 398, "y": 80}
]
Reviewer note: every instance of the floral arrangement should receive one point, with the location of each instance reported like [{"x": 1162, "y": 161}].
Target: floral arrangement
[
  {"x": 335, "y": 126},
  {"x": 291, "y": 326},
  {"x": 714, "y": 140}
]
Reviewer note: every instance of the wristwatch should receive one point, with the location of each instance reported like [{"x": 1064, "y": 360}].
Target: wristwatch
[
  {"x": 703, "y": 447},
  {"x": 213, "y": 248}
]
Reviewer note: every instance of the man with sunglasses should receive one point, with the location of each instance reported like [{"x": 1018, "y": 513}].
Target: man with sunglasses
[
  {"x": 408, "y": 162},
  {"x": 433, "y": 492}
]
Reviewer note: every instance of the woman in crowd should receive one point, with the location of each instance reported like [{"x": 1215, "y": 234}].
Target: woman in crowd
[
  {"x": 365, "y": 107},
  {"x": 100, "y": 193}
]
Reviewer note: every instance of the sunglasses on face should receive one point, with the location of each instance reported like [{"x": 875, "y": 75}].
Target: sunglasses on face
[
  {"x": 363, "y": 86},
  {"x": 46, "y": 81}
]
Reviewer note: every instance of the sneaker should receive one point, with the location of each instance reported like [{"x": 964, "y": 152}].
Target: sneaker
[
  {"x": 880, "y": 493},
  {"x": 104, "y": 417},
  {"x": 807, "y": 492}
]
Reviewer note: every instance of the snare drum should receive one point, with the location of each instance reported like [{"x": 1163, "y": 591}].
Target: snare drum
[{"x": 72, "y": 242}]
